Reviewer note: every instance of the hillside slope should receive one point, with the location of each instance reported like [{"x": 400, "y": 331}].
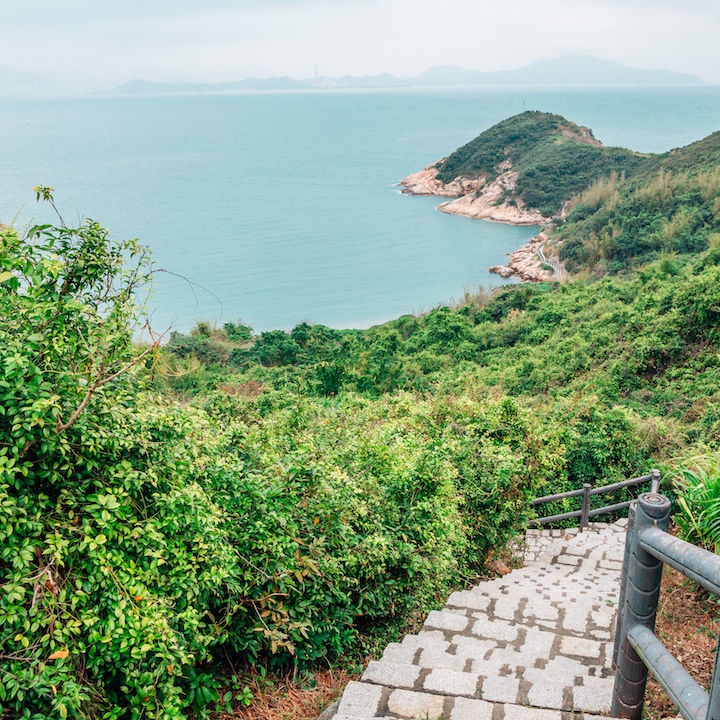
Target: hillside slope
[
  {"x": 670, "y": 206},
  {"x": 293, "y": 498}
]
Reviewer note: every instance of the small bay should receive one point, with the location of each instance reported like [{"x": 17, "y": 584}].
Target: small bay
[{"x": 277, "y": 208}]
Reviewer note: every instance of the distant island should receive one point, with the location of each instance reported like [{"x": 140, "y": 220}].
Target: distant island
[{"x": 566, "y": 71}]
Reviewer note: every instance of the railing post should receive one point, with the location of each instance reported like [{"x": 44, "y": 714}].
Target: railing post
[
  {"x": 654, "y": 480},
  {"x": 585, "y": 517},
  {"x": 623, "y": 582},
  {"x": 642, "y": 590}
]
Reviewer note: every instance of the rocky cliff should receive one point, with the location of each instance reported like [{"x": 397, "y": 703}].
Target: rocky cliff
[{"x": 475, "y": 197}]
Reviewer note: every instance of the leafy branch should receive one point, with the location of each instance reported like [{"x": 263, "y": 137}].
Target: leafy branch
[
  {"x": 43, "y": 192},
  {"x": 103, "y": 379}
]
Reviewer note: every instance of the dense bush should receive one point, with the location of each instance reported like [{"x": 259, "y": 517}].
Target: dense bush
[
  {"x": 103, "y": 583},
  {"x": 514, "y": 137},
  {"x": 666, "y": 208}
]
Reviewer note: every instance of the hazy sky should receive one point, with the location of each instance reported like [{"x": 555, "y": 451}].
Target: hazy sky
[{"x": 220, "y": 40}]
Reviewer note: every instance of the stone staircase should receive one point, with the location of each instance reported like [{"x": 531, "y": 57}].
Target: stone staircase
[{"x": 535, "y": 644}]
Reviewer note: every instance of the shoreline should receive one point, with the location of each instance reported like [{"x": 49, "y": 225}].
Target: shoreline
[
  {"x": 493, "y": 201},
  {"x": 474, "y": 197},
  {"x": 529, "y": 263}
]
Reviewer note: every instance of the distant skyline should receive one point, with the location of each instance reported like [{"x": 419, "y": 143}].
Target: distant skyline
[{"x": 112, "y": 42}]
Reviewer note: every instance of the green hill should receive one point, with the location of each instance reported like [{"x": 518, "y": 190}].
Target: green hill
[
  {"x": 618, "y": 209},
  {"x": 555, "y": 159}
]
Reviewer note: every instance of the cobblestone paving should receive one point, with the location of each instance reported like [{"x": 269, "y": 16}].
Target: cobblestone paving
[{"x": 535, "y": 644}]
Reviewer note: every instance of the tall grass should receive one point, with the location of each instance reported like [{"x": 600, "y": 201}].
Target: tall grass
[
  {"x": 478, "y": 297},
  {"x": 602, "y": 192},
  {"x": 679, "y": 223},
  {"x": 667, "y": 185},
  {"x": 698, "y": 519},
  {"x": 659, "y": 190},
  {"x": 708, "y": 183}
]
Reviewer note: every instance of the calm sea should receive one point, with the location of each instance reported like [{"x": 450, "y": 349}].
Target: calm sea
[{"x": 278, "y": 208}]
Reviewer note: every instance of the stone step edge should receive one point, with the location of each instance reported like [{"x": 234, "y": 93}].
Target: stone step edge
[{"x": 432, "y": 706}]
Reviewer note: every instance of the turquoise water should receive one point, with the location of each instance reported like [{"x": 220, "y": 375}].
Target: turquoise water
[{"x": 282, "y": 207}]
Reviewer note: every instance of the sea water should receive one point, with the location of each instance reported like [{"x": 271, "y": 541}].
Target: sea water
[{"x": 277, "y": 208}]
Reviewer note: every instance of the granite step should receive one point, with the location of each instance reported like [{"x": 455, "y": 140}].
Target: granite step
[{"x": 536, "y": 643}]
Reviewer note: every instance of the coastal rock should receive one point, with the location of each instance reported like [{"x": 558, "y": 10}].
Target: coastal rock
[
  {"x": 475, "y": 197},
  {"x": 496, "y": 202},
  {"x": 530, "y": 263},
  {"x": 425, "y": 182},
  {"x": 502, "y": 270}
]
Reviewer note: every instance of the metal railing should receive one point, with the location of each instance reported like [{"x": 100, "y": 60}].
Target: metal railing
[
  {"x": 587, "y": 492},
  {"x": 648, "y": 545}
]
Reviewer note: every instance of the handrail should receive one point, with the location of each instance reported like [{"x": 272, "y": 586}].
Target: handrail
[
  {"x": 637, "y": 650},
  {"x": 674, "y": 678},
  {"x": 700, "y": 565},
  {"x": 587, "y": 492}
]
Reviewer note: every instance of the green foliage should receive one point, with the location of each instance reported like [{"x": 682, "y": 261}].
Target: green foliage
[
  {"x": 71, "y": 488},
  {"x": 275, "y": 348},
  {"x": 515, "y": 137},
  {"x": 209, "y": 345},
  {"x": 201, "y": 347},
  {"x": 602, "y": 443},
  {"x": 237, "y": 332},
  {"x": 557, "y": 173},
  {"x": 670, "y": 206},
  {"x": 141, "y": 537}
]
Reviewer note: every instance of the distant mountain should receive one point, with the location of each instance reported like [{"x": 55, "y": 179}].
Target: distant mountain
[
  {"x": 365, "y": 81},
  {"x": 570, "y": 70},
  {"x": 144, "y": 87},
  {"x": 567, "y": 71}
]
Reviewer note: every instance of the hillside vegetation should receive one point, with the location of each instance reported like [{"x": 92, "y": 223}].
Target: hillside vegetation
[
  {"x": 616, "y": 209},
  {"x": 284, "y": 499}
]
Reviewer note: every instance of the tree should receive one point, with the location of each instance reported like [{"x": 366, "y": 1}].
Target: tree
[{"x": 67, "y": 297}]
